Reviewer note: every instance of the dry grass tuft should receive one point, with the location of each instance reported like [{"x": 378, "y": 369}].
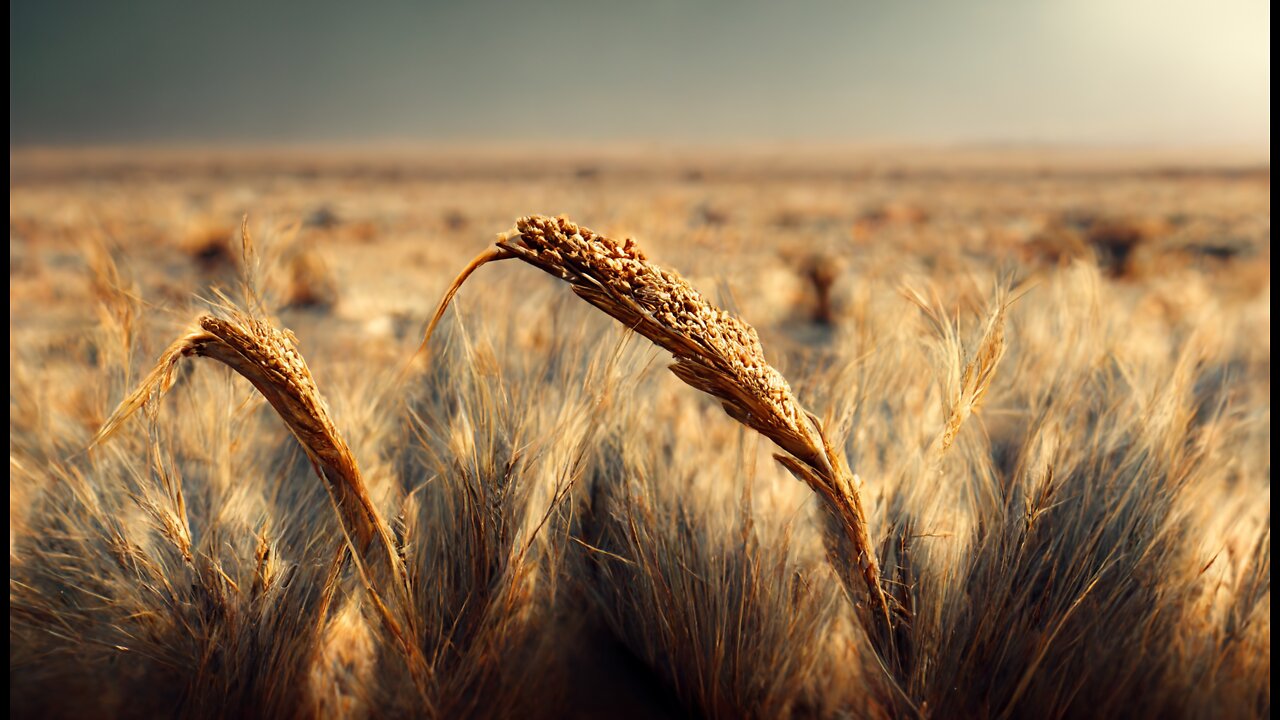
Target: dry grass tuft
[
  {"x": 269, "y": 359},
  {"x": 451, "y": 586}
]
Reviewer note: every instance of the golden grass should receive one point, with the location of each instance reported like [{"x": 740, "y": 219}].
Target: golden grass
[{"x": 1067, "y": 496}]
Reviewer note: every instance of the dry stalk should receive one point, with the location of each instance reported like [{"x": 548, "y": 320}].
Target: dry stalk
[
  {"x": 714, "y": 352},
  {"x": 269, "y": 359},
  {"x": 969, "y": 379}
]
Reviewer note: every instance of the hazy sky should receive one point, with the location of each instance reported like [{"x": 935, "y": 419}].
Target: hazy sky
[{"x": 1096, "y": 71}]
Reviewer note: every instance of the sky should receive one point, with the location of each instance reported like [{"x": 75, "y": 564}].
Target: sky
[{"x": 1098, "y": 72}]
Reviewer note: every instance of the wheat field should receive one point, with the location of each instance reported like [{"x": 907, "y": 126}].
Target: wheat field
[{"x": 945, "y": 435}]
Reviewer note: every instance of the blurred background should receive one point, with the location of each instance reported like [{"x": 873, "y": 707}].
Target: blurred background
[
  {"x": 1150, "y": 74},
  {"x": 389, "y": 142}
]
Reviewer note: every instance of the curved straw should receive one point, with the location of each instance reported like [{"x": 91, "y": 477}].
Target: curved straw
[{"x": 483, "y": 258}]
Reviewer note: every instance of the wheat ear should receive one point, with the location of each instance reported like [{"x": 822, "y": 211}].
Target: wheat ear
[
  {"x": 269, "y": 359},
  {"x": 714, "y": 352}
]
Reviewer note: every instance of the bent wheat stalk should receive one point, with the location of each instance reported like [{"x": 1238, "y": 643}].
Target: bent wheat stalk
[
  {"x": 714, "y": 352},
  {"x": 269, "y": 359}
]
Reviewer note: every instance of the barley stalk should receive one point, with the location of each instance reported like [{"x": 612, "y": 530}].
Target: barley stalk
[
  {"x": 714, "y": 352},
  {"x": 269, "y": 359}
]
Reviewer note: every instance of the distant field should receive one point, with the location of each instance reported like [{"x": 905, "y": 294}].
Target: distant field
[{"x": 1049, "y": 370}]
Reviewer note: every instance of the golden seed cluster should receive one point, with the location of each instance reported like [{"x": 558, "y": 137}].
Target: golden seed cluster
[
  {"x": 728, "y": 344},
  {"x": 269, "y": 349}
]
